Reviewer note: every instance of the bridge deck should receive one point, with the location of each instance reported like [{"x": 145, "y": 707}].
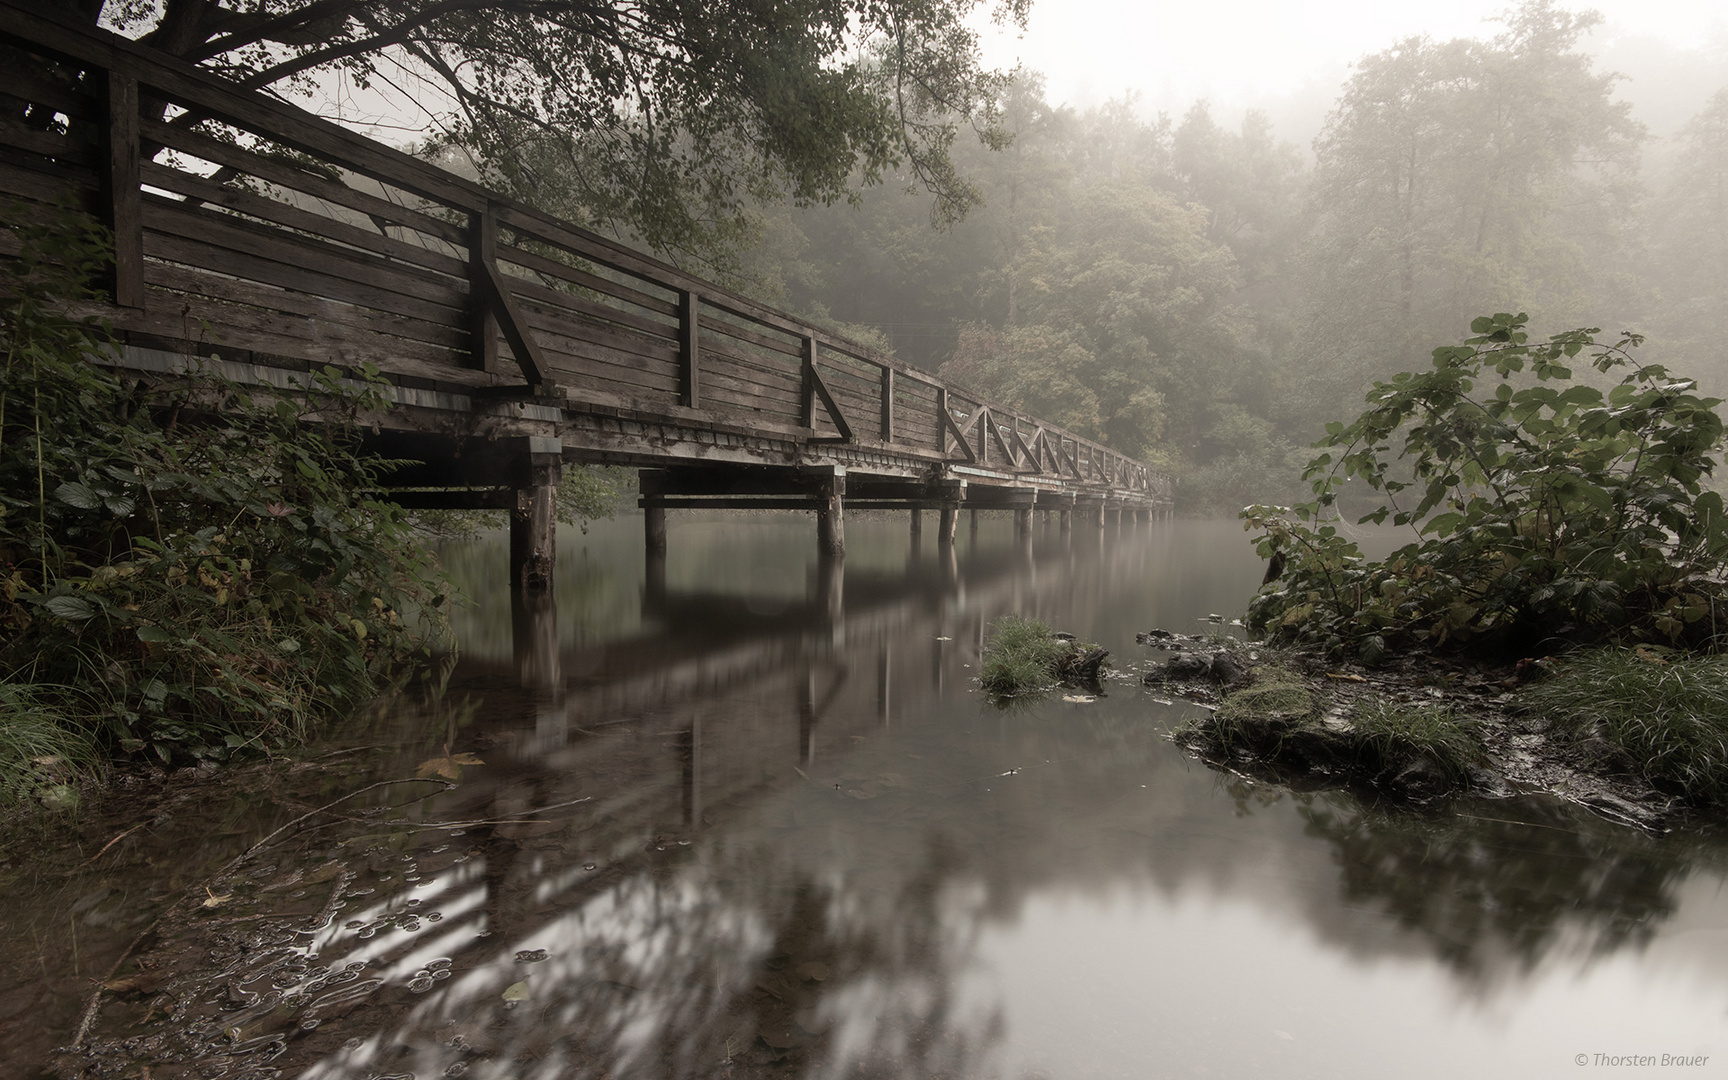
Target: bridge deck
[{"x": 258, "y": 236}]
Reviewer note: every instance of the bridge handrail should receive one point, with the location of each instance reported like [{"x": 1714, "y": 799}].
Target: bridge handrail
[{"x": 695, "y": 316}]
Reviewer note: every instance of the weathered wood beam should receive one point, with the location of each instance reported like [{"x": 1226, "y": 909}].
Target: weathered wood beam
[
  {"x": 482, "y": 315},
  {"x": 121, "y": 189},
  {"x": 815, "y": 388},
  {"x": 503, "y": 306},
  {"x": 689, "y": 348},
  {"x": 887, "y": 404},
  {"x": 945, "y": 426}
]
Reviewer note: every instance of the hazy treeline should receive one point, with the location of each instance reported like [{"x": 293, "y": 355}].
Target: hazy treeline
[{"x": 1207, "y": 297}]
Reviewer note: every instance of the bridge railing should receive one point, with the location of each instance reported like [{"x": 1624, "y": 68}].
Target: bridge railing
[{"x": 246, "y": 225}]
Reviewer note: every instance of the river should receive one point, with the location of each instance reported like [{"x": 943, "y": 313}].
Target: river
[{"x": 749, "y": 816}]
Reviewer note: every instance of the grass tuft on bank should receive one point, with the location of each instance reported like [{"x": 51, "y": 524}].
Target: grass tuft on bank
[
  {"x": 1025, "y": 656},
  {"x": 1663, "y": 714},
  {"x": 1391, "y": 732},
  {"x": 1417, "y": 751}
]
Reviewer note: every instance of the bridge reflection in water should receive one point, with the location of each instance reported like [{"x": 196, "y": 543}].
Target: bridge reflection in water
[{"x": 757, "y": 821}]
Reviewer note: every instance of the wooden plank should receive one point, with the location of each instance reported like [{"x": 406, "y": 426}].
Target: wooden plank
[
  {"x": 553, "y": 268},
  {"x": 172, "y": 247},
  {"x": 125, "y": 217},
  {"x": 742, "y": 368},
  {"x": 285, "y": 174},
  {"x": 607, "y": 371},
  {"x": 581, "y": 328},
  {"x": 690, "y": 347},
  {"x": 431, "y": 341},
  {"x": 292, "y": 217},
  {"x": 354, "y": 276},
  {"x": 62, "y": 148},
  {"x": 887, "y": 392},
  {"x": 27, "y": 85},
  {"x": 766, "y": 368},
  {"x": 169, "y": 324},
  {"x": 39, "y": 180},
  {"x": 762, "y": 358},
  {"x": 665, "y": 373},
  {"x": 563, "y": 305},
  {"x": 744, "y": 333}
]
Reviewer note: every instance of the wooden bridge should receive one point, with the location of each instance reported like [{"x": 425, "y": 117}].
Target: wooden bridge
[{"x": 257, "y": 240}]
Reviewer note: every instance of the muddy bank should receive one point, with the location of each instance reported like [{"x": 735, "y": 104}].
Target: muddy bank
[{"x": 1416, "y": 730}]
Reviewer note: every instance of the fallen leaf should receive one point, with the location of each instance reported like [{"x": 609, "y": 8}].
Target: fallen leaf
[
  {"x": 1079, "y": 699},
  {"x": 211, "y": 900},
  {"x": 516, "y": 991},
  {"x": 448, "y": 766}
]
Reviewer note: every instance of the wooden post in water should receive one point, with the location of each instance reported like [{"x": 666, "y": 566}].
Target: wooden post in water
[
  {"x": 917, "y": 524},
  {"x": 534, "y": 518},
  {"x": 831, "y": 514},
  {"x": 1022, "y": 523},
  {"x": 946, "y": 524},
  {"x": 654, "y": 527}
]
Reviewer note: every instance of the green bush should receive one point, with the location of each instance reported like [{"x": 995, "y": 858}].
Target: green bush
[
  {"x": 1540, "y": 508},
  {"x": 198, "y": 568},
  {"x": 1664, "y": 713}
]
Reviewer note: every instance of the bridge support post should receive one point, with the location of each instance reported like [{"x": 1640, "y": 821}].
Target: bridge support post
[
  {"x": 917, "y": 524},
  {"x": 534, "y": 518},
  {"x": 654, "y": 528},
  {"x": 1023, "y": 522},
  {"x": 831, "y": 512},
  {"x": 945, "y": 525},
  {"x": 1065, "y": 518}
]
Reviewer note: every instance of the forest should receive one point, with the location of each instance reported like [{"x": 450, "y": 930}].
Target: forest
[{"x": 1208, "y": 297}]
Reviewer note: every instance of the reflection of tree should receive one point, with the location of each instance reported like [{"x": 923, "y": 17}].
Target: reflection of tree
[{"x": 1506, "y": 884}]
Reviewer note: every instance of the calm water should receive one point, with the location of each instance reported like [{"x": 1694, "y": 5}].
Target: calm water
[{"x": 750, "y": 817}]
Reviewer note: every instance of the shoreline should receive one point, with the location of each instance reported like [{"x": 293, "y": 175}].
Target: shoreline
[{"x": 1259, "y": 726}]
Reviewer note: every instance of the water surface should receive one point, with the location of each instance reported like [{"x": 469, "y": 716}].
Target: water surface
[{"x": 746, "y": 814}]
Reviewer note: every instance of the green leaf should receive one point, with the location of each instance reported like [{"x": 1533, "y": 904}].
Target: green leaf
[
  {"x": 78, "y": 496},
  {"x": 72, "y": 608}
]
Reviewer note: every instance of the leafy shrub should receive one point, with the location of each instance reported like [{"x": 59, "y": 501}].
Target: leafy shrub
[
  {"x": 1539, "y": 510},
  {"x": 200, "y": 568},
  {"x": 1666, "y": 714}
]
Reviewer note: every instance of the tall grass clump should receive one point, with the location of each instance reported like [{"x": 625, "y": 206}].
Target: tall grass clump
[
  {"x": 187, "y": 568},
  {"x": 1023, "y": 656},
  {"x": 1391, "y": 732},
  {"x": 1666, "y": 713}
]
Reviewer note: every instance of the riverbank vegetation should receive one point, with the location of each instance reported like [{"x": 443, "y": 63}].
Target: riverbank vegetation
[
  {"x": 185, "y": 572},
  {"x": 1025, "y": 656},
  {"x": 1561, "y": 529}
]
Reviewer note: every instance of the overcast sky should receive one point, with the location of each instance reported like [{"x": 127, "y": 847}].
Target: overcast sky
[{"x": 1232, "y": 51}]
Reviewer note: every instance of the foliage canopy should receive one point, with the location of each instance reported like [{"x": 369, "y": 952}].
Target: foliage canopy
[
  {"x": 660, "y": 118},
  {"x": 1542, "y": 507}
]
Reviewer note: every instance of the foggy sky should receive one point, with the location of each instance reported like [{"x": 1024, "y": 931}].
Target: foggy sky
[{"x": 1237, "y": 52}]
